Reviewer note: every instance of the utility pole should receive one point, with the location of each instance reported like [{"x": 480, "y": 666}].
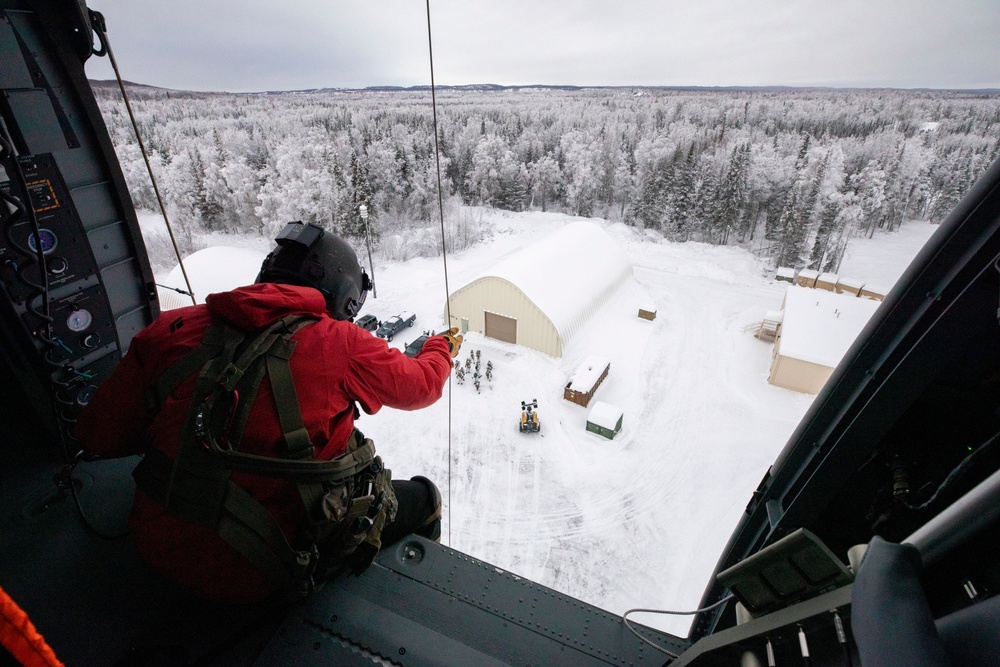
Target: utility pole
[{"x": 363, "y": 211}]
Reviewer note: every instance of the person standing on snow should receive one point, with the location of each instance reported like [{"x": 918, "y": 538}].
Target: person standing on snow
[{"x": 254, "y": 480}]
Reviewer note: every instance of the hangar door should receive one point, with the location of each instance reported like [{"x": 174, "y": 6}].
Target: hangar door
[{"x": 500, "y": 327}]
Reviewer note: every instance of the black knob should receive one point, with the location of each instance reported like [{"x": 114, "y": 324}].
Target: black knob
[{"x": 57, "y": 265}]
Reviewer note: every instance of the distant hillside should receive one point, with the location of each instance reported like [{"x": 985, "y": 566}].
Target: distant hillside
[{"x": 103, "y": 85}]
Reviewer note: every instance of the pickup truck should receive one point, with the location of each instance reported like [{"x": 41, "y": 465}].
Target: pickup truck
[{"x": 393, "y": 325}]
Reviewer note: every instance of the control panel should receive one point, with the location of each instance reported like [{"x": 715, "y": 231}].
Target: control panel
[
  {"x": 51, "y": 280},
  {"x": 60, "y": 237}
]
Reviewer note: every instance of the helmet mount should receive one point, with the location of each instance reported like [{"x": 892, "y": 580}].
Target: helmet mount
[{"x": 308, "y": 255}]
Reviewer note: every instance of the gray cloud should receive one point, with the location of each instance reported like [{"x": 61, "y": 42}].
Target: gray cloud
[{"x": 245, "y": 45}]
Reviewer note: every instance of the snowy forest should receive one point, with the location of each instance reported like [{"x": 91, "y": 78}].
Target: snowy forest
[{"x": 790, "y": 174}]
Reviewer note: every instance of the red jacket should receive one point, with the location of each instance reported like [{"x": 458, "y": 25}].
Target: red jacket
[{"x": 334, "y": 364}]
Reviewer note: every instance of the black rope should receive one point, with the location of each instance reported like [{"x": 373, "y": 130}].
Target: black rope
[
  {"x": 175, "y": 289},
  {"x": 673, "y": 613},
  {"x": 97, "y": 21},
  {"x": 65, "y": 483},
  {"x": 444, "y": 249},
  {"x": 955, "y": 473}
]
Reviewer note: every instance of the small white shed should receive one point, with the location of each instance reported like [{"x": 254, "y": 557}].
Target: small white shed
[
  {"x": 605, "y": 419},
  {"x": 785, "y": 274}
]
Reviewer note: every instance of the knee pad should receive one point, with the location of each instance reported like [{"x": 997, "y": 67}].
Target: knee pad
[{"x": 431, "y": 528}]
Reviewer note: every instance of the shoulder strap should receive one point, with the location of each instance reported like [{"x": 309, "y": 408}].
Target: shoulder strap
[{"x": 213, "y": 343}]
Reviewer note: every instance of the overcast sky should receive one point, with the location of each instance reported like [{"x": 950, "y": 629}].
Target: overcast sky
[{"x": 254, "y": 45}]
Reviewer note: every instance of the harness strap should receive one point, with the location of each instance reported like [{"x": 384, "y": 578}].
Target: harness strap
[
  {"x": 211, "y": 345},
  {"x": 297, "y": 442},
  {"x": 262, "y": 358},
  {"x": 190, "y": 467},
  {"x": 240, "y": 521},
  {"x": 336, "y": 470}
]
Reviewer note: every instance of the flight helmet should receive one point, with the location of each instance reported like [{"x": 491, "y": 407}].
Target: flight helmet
[{"x": 310, "y": 256}]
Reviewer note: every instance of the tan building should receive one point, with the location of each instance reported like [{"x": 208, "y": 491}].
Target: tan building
[
  {"x": 807, "y": 277},
  {"x": 817, "y": 328},
  {"x": 849, "y": 286},
  {"x": 827, "y": 281},
  {"x": 541, "y": 296},
  {"x": 875, "y": 292}
]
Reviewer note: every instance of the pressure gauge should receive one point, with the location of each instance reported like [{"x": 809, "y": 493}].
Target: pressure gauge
[
  {"x": 79, "y": 320},
  {"x": 84, "y": 395},
  {"x": 49, "y": 241}
]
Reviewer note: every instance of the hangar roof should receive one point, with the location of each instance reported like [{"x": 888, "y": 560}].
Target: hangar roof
[{"x": 568, "y": 273}]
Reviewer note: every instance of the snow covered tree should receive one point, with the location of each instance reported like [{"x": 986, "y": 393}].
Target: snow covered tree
[
  {"x": 545, "y": 178},
  {"x": 733, "y": 193}
]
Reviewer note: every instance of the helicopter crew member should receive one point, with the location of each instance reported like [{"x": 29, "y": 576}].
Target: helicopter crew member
[{"x": 255, "y": 478}]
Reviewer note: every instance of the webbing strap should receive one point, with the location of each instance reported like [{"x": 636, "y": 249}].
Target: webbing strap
[
  {"x": 297, "y": 442},
  {"x": 239, "y": 519},
  {"x": 258, "y": 538},
  {"x": 211, "y": 345},
  {"x": 276, "y": 343},
  {"x": 189, "y": 459},
  {"x": 336, "y": 470}
]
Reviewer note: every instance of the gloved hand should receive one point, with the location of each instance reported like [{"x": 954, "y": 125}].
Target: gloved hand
[{"x": 454, "y": 340}]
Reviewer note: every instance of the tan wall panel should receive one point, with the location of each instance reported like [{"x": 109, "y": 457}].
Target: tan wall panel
[
  {"x": 825, "y": 284},
  {"x": 798, "y": 375}
]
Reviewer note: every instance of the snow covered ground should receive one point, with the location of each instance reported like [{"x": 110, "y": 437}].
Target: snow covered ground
[{"x": 639, "y": 521}]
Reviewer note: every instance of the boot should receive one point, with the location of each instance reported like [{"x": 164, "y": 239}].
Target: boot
[{"x": 431, "y": 528}]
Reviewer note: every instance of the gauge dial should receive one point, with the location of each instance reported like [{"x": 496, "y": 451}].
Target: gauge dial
[
  {"x": 85, "y": 394},
  {"x": 79, "y": 320},
  {"x": 49, "y": 241}
]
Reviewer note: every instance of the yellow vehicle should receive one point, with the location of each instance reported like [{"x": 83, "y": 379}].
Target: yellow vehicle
[{"x": 529, "y": 418}]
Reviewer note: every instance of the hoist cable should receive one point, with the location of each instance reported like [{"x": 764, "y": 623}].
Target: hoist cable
[
  {"x": 444, "y": 250},
  {"x": 97, "y": 21},
  {"x": 672, "y": 613}
]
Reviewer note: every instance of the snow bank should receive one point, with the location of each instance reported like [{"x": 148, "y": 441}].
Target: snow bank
[{"x": 216, "y": 269}]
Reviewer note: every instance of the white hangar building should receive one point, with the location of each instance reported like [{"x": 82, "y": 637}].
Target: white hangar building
[{"x": 544, "y": 294}]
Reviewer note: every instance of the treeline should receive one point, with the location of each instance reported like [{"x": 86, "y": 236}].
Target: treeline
[{"x": 794, "y": 174}]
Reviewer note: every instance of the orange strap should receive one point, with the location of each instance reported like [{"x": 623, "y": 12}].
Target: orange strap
[{"x": 19, "y": 636}]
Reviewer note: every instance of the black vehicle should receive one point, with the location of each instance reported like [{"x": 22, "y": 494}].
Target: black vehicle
[
  {"x": 901, "y": 443},
  {"x": 395, "y": 324},
  {"x": 414, "y": 347},
  {"x": 367, "y": 322}
]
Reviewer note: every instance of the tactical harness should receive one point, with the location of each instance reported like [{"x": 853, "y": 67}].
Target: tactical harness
[{"x": 348, "y": 500}]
